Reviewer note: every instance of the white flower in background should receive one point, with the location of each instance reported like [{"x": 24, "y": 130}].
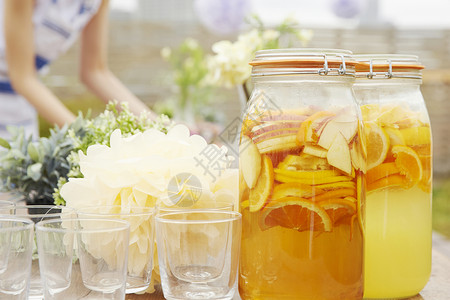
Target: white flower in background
[
  {"x": 166, "y": 52},
  {"x": 270, "y": 35},
  {"x": 191, "y": 43},
  {"x": 252, "y": 39},
  {"x": 136, "y": 171},
  {"x": 229, "y": 66},
  {"x": 305, "y": 35}
]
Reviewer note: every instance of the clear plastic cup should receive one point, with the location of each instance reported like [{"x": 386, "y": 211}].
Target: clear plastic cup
[
  {"x": 37, "y": 213},
  {"x": 16, "y": 247},
  {"x": 99, "y": 271},
  {"x": 140, "y": 250},
  {"x": 198, "y": 253}
]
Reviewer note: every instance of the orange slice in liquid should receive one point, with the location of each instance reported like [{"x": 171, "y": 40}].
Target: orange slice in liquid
[
  {"x": 338, "y": 209},
  {"x": 295, "y": 213},
  {"x": 392, "y": 181},
  {"x": 260, "y": 193},
  {"x": 377, "y": 143},
  {"x": 408, "y": 162},
  {"x": 380, "y": 171}
]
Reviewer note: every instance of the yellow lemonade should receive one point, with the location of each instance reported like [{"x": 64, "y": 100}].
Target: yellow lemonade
[
  {"x": 398, "y": 202},
  {"x": 398, "y": 242},
  {"x": 301, "y": 180}
]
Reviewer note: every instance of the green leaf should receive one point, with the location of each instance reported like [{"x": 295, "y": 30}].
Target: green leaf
[
  {"x": 34, "y": 171},
  {"x": 17, "y": 154},
  {"x": 56, "y": 150},
  {"x": 33, "y": 152},
  {"x": 4, "y": 143}
]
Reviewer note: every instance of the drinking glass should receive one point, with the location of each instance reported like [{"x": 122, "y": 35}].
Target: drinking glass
[
  {"x": 198, "y": 253},
  {"x": 37, "y": 213},
  {"x": 99, "y": 270},
  {"x": 140, "y": 249},
  {"x": 16, "y": 246}
]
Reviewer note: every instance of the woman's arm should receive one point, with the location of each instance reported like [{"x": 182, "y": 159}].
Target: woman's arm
[
  {"x": 95, "y": 73},
  {"x": 20, "y": 57}
]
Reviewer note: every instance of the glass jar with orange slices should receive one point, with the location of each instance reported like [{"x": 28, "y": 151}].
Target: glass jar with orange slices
[
  {"x": 399, "y": 173},
  {"x": 301, "y": 163}
]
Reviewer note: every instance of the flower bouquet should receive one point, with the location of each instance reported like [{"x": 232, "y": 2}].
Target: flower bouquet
[
  {"x": 34, "y": 169},
  {"x": 118, "y": 159}
]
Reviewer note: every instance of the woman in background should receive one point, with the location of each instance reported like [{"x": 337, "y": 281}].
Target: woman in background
[{"x": 33, "y": 33}]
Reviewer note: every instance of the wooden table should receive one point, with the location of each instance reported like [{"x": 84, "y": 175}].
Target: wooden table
[{"x": 438, "y": 287}]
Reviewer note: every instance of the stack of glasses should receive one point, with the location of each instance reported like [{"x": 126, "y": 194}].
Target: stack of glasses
[{"x": 106, "y": 252}]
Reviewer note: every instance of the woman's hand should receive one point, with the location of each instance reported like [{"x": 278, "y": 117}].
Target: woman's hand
[{"x": 95, "y": 73}]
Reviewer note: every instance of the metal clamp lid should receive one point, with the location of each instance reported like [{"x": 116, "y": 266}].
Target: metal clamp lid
[
  {"x": 387, "y": 74},
  {"x": 342, "y": 70},
  {"x": 323, "y": 62},
  {"x": 387, "y": 66}
]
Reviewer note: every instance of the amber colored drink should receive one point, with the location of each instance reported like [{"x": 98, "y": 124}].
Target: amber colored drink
[
  {"x": 300, "y": 264},
  {"x": 301, "y": 202}
]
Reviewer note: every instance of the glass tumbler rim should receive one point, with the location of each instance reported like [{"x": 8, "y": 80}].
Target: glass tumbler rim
[
  {"x": 40, "y": 226},
  {"x": 42, "y": 206},
  {"x": 233, "y": 216},
  {"x": 49, "y": 206},
  {"x": 28, "y": 223},
  {"x": 49, "y": 212},
  {"x": 223, "y": 204}
]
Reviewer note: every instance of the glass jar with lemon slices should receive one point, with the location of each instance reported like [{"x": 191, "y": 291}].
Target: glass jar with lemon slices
[
  {"x": 398, "y": 177},
  {"x": 301, "y": 170}
]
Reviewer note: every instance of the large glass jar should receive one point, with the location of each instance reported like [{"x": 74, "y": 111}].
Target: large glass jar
[
  {"x": 300, "y": 184},
  {"x": 399, "y": 174}
]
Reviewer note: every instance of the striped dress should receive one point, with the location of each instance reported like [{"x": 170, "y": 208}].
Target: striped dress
[{"x": 57, "y": 24}]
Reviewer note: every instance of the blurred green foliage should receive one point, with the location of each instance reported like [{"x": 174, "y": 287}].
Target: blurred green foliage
[
  {"x": 441, "y": 206},
  {"x": 33, "y": 169},
  {"x": 84, "y": 104},
  {"x": 192, "y": 94}
]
